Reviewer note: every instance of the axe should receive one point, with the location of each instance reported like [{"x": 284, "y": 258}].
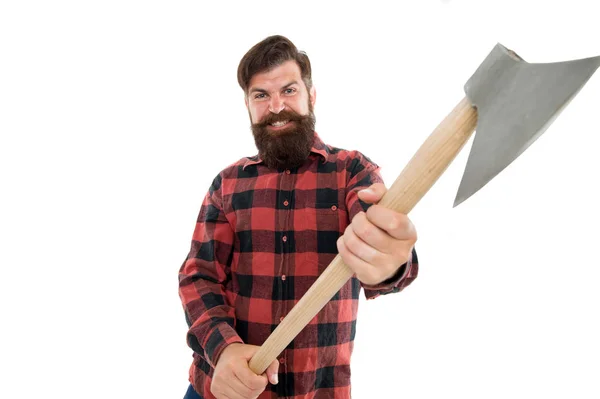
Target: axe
[{"x": 512, "y": 103}]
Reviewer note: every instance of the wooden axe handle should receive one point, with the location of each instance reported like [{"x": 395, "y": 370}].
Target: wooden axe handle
[{"x": 419, "y": 175}]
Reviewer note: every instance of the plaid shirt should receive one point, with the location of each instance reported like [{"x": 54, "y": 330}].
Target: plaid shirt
[{"x": 262, "y": 238}]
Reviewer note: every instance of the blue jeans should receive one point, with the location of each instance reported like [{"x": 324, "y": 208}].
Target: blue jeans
[{"x": 191, "y": 394}]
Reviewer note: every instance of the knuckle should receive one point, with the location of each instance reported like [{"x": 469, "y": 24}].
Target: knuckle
[
  {"x": 217, "y": 378},
  {"x": 350, "y": 228},
  {"x": 414, "y": 232},
  {"x": 363, "y": 230},
  {"x": 230, "y": 368},
  {"x": 399, "y": 222},
  {"x": 350, "y": 241},
  {"x": 371, "y": 255},
  {"x": 340, "y": 244},
  {"x": 359, "y": 222},
  {"x": 395, "y": 223},
  {"x": 372, "y": 209},
  {"x": 352, "y": 244}
]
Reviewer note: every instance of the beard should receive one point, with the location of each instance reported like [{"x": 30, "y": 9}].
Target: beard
[{"x": 289, "y": 147}]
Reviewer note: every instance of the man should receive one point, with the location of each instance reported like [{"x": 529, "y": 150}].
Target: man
[{"x": 269, "y": 225}]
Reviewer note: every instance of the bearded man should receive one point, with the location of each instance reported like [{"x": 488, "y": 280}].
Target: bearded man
[{"x": 268, "y": 227}]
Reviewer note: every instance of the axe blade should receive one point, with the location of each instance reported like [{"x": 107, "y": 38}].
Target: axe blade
[{"x": 516, "y": 101}]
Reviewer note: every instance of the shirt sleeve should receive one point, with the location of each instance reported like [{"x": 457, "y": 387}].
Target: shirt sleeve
[
  {"x": 362, "y": 173},
  {"x": 403, "y": 277},
  {"x": 203, "y": 277}
]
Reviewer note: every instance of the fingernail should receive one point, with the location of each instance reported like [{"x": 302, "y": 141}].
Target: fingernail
[
  {"x": 368, "y": 191},
  {"x": 275, "y": 378}
]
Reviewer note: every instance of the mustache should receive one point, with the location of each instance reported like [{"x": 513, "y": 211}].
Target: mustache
[{"x": 285, "y": 115}]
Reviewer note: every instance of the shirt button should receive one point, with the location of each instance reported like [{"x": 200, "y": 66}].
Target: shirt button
[
  {"x": 282, "y": 360},
  {"x": 287, "y": 171},
  {"x": 283, "y": 277},
  {"x": 285, "y": 203},
  {"x": 284, "y": 238},
  {"x": 333, "y": 208}
]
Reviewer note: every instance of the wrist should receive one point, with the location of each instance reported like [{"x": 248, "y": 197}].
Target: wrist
[{"x": 226, "y": 351}]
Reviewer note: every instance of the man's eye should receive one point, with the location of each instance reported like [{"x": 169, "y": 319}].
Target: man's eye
[
  {"x": 289, "y": 91},
  {"x": 259, "y": 96}
]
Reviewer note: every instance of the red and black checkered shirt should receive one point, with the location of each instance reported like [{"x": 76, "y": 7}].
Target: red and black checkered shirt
[{"x": 262, "y": 238}]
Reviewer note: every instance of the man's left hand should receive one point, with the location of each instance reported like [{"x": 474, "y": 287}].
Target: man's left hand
[{"x": 377, "y": 242}]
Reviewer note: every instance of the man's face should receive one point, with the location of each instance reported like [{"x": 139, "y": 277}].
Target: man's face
[{"x": 280, "y": 109}]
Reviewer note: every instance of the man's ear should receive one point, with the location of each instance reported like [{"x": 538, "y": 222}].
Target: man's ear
[
  {"x": 313, "y": 95},
  {"x": 246, "y": 100}
]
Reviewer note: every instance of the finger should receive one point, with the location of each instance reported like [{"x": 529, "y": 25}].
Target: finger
[
  {"x": 229, "y": 392},
  {"x": 371, "y": 235},
  {"x": 237, "y": 390},
  {"x": 272, "y": 371},
  {"x": 246, "y": 375},
  {"x": 249, "y": 380},
  {"x": 233, "y": 387},
  {"x": 365, "y": 272},
  {"x": 396, "y": 224},
  {"x": 357, "y": 247},
  {"x": 373, "y": 193},
  {"x": 221, "y": 395},
  {"x": 222, "y": 390},
  {"x": 221, "y": 384}
]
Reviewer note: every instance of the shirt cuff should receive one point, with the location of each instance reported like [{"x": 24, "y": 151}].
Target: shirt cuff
[
  {"x": 403, "y": 277},
  {"x": 218, "y": 340},
  {"x": 390, "y": 282}
]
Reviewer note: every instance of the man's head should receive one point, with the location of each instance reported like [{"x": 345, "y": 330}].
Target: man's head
[{"x": 277, "y": 83}]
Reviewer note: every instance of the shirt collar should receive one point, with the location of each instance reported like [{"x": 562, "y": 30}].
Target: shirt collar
[{"x": 318, "y": 147}]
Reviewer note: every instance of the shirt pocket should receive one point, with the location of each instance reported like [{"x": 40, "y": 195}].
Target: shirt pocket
[{"x": 327, "y": 217}]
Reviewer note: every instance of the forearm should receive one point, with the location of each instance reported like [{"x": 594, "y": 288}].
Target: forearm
[
  {"x": 203, "y": 279},
  {"x": 210, "y": 317}
]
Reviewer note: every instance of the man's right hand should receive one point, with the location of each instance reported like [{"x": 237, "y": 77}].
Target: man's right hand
[{"x": 233, "y": 379}]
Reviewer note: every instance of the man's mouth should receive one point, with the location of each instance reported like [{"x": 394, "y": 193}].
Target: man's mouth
[{"x": 280, "y": 124}]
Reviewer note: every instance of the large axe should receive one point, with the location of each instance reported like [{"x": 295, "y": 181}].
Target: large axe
[{"x": 512, "y": 102}]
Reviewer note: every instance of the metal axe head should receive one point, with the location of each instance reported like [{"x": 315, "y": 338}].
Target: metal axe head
[{"x": 516, "y": 101}]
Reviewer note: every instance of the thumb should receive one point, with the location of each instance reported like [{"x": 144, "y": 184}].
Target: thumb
[
  {"x": 272, "y": 372},
  {"x": 373, "y": 193}
]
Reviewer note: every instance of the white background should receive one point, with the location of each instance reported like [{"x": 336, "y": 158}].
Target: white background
[{"x": 115, "y": 116}]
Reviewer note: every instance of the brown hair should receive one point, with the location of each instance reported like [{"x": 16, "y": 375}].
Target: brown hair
[{"x": 268, "y": 54}]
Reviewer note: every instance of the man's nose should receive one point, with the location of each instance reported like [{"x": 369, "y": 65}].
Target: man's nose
[{"x": 276, "y": 105}]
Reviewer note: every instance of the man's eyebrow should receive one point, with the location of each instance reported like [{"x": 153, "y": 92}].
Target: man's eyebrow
[
  {"x": 259, "y": 90},
  {"x": 290, "y": 84},
  {"x": 256, "y": 89}
]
